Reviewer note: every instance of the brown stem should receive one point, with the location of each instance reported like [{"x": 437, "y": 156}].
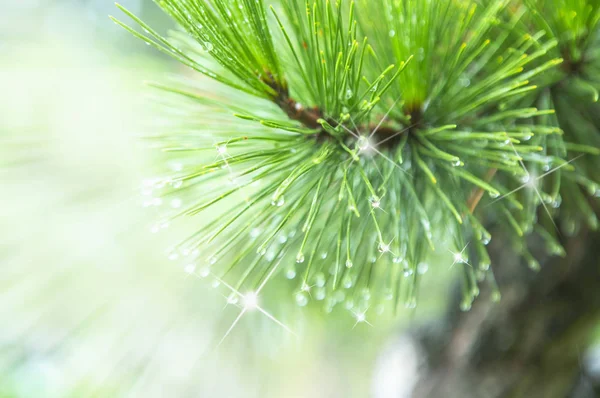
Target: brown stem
[
  {"x": 477, "y": 193},
  {"x": 309, "y": 116}
]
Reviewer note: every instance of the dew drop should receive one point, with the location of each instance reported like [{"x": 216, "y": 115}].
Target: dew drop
[
  {"x": 349, "y": 263},
  {"x": 366, "y": 293},
  {"x": 347, "y": 282},
  {"x": 190, "y": 268},
  {"x": 320, "y": 294},
  {"x": 349, "y": 304},
  {"x": 204, "y": 272},
  {"x": 278, "y": 202},
  {"x": 232, "y": 299},
  {"x": 349, "y": 94},
  {"x": 208, "y": 46},
  {"x": 363, "y": 143},
  {"x": 422, "y": 268},
  {"x": 496, "y": 296},
  {"x": 320, "y": 279},
  {"x": 375, "y": 202},
  {"x": 533, "y": 264},
  {"x": 383, "y": 248},
  {"x": 339, "y": 296},
  {"x": 290, "y": 273},
  {"x": 300, "y": 258},
  {"x": 465, "y": 306},
  {"x": 388, "y": 294},
  {"x": 301, "y": 299}
]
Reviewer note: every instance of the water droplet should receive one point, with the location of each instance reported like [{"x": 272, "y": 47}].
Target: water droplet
[
  {"x": 270, "y": 256},
  {"x": 300, "y": 258},
  {"x": 375, "y": 202},
  {"x": 204, "y": 272},
  {"x": 484, "y": 266},
  {"x": 392, "y": 33},
  {"x": 301, "y": 299},
  {"x": 323, "y": 255},
  {"x": 493, "y": 195},
  {"x": 320, "y": 279},
  {"x": 278, "y": 201},
  {"x": 411, "y": 303},
  {"x": 212, "y": 260},
  {"x": 366, "y": 293},
  {"x": 485, "y": 238},
  {"x": 422, "y": 268},
  {"x": 349, "y": 304},
  {"x": 339, "y": 296},
  {"x": 347, "y": 282},
  {"x": 397, "y": 260},
  {"x": 290, "y": 273},
  {"x": 388, "y": 294},
  {"x": 261, "y": 251},
  {"x": 465, "y": 305},
  {"x": 177, "y": 184},
  {"x": 190, "y": 268},
  {"x": 320, "y": 294},
  {"x": 349, "y": 263},
  {"x": 383, "y": 248},
  {"x": 254, "y": 232},
  {"x": 363, "y": 143},
  {"x": 208, "y": 46},
  {"x": 173, "y": 256},
  {"x": 533, "y": 264},
  {"x": 496, "y": 296},
  {"x": 408, "y": 272},
  {"x": 349, "y": 94},
  {"x": 233, "y": 299}
]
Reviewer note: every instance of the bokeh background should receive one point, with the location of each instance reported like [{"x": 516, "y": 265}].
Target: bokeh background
[{"x": 89, "y": 303}]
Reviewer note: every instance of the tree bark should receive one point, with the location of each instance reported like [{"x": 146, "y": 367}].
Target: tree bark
[{"x": 530, "y": 343}]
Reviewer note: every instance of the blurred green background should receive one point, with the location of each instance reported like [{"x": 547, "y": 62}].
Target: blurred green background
[{"x": 89, "y": 303}]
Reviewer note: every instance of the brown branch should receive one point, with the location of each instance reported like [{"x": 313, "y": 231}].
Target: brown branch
[
  {"x": 309, "y": 116},
  {"x": 477, "y": 193}
]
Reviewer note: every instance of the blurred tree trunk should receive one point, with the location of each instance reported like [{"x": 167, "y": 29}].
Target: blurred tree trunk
[{"x": 530, "y": 343}]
